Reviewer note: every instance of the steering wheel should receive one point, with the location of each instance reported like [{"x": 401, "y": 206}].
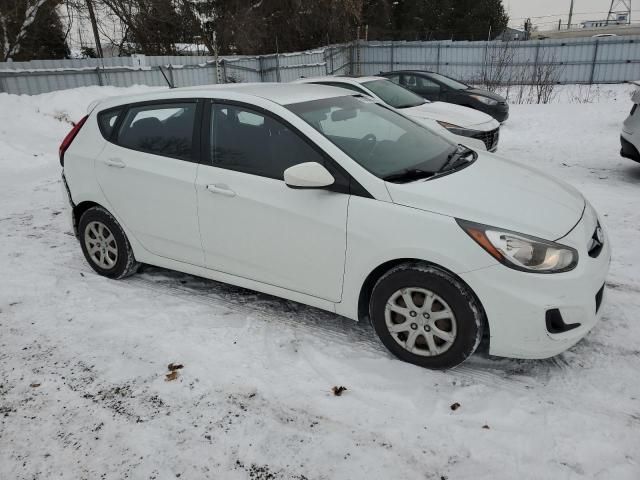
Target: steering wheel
[{"x": 367, "y": 143}]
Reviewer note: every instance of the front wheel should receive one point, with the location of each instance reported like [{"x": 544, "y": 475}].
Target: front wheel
[{"x": 426, "y": 316}]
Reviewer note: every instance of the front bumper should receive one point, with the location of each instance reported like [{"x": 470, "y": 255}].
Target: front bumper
[
  {"x": 516, "y": 303},
  {"x": 490, "y": 138}
]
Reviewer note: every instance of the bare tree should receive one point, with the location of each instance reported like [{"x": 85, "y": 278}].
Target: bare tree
[
  {"x": 23, "y": 14},
  {"x": 498, "y": 65},
  {"x": 546, "y": 75}
]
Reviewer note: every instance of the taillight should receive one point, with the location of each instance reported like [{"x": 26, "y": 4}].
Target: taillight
[{"x": 69, "y": 138}]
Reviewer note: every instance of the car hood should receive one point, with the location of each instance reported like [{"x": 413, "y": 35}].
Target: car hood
[
  {"x": 485, "y": 93},
  {"x": 498, "y": 192},
  {"x": 457, "y": 115}
]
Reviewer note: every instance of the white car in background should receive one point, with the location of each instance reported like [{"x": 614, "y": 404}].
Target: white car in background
[
  {"x": 630, "y": 136},
  {"x": 328, "y": 198},
  {"x": 464, "y": 125}
]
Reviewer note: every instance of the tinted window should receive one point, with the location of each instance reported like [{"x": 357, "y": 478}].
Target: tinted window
[
  {"x": 378, "y": 138},
  {"x": 107, "y": 120},
  {"x": 414, "y": 81},
  {"x": 161, "y": 129},
  {"x": 393, "y": 78},
  {"x": 394, "y": 95},
  {"x": 249, "y": 141},
  {"x": 449, "y": 82},
  {"x": 346, "y": 86}
]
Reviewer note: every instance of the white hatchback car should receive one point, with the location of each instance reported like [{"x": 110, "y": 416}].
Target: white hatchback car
[
  {"x": 463, "y": 125},
  {"x": 330, "y": 199},
  {"x": 630, "y": 136}
]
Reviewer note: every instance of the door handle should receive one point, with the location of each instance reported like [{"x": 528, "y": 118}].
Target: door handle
[
  {"x": 114, "y": 162},
  {"x": 221, "y": 189}
]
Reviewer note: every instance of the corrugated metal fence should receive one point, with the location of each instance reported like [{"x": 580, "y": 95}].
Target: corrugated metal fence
[
  {"x": 40, "y": 76},
  {"x": 576, "y": 60}
]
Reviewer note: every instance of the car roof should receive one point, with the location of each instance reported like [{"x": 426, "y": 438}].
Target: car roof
[
  {"x": 280, "y": 93},
  {"x": 406, "y": 71},
  {"x": 340, "y": 79}
]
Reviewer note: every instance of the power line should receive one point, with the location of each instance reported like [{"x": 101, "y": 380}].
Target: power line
[{"x": 557, "y": 15}]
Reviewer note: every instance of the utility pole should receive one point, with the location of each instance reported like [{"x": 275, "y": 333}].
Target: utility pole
[
  {"x": 619, "y": 7},
  {"x": 570, "y": 15},
  {"x": 94, "y": 27}
]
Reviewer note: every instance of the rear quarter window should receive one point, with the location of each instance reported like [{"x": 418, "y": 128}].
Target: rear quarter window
[{"x": 107, "y": 121}]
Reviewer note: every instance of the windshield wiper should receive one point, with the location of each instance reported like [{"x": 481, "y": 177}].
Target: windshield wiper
[
  {"x": 455, "y": 157},
  {"x": 455, "y": 160},
  {"x": 408, "y": 175}
]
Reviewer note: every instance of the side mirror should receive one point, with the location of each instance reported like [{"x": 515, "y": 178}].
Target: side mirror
[{"x": 308, "y": 175}]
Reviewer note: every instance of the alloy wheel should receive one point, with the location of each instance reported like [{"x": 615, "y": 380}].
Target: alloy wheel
[{"x": 420, "y": 321}]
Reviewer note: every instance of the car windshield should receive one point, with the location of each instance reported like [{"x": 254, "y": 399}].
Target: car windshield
[
  {"x": 383, "y": 141},
  {"x": 449, "y": 82},
  {"x": 394, "y": 95}
]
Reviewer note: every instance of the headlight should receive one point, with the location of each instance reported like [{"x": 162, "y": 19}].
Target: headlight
[
  {"x": 522, "y": 252},
  {"x": 457, "y": 130},
  {"x": 485, "y": 100}
]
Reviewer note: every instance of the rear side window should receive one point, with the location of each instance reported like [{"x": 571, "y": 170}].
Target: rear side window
[
  {"x": 107, "y": 121},
  {"x": 161, "y": 129}
]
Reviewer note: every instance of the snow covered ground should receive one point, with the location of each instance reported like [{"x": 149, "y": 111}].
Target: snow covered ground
[{"x": 83, "y": 359}]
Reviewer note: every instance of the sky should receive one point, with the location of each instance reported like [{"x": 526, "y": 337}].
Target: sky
[{"x": 549, "y": 11}]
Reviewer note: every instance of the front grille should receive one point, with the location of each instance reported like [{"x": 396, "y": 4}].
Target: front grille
[
  {"x": 599, "y": 296},
  {"x": 596, "y": 242},
  {"x": 490, "y": 138}
]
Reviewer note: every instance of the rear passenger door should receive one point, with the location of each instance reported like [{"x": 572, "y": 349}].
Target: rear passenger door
[
  {"x": 253, "y": 225},
  {"x": 147, "y": 173}
]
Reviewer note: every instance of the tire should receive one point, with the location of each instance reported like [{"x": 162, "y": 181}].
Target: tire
[
  {"x": 105, "y": 245},
  {"x": 444, "y": 322}
]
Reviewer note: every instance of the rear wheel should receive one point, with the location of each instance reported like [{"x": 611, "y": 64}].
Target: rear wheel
[
  {"x": 105, "y": 245},
  {"x": 426, "y": 316}
]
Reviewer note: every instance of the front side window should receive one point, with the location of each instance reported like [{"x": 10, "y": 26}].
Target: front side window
[
  {"x": 381, "y": 140},
  {"x": 161, "y": 129},
  {"x": 415, "y": 81},
  {"x": 394, "y": 78},
  {"x": 394, "y": 95},
  {"x": 249, "y": 141},
  {"x": 449, "y": 82}
]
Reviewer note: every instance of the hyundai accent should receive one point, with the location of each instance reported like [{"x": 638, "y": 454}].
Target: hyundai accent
[{"x": 325, "y": 197}]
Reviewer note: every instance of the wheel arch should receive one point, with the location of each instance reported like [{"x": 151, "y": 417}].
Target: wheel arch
[
  {"x": 373, "y": 277},
  {"x": 79, "y": 209}
]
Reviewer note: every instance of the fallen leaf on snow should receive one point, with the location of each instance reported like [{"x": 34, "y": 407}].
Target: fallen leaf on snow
[
  {"x": 171, "y": 376},
  {"x": 174, "y": 366},
  {"x": 337, "y": 391},
  {"x": 455, "y": 406}
]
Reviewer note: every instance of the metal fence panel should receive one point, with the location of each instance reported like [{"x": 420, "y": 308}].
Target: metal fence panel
[{"x": 575, "y": 60}]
